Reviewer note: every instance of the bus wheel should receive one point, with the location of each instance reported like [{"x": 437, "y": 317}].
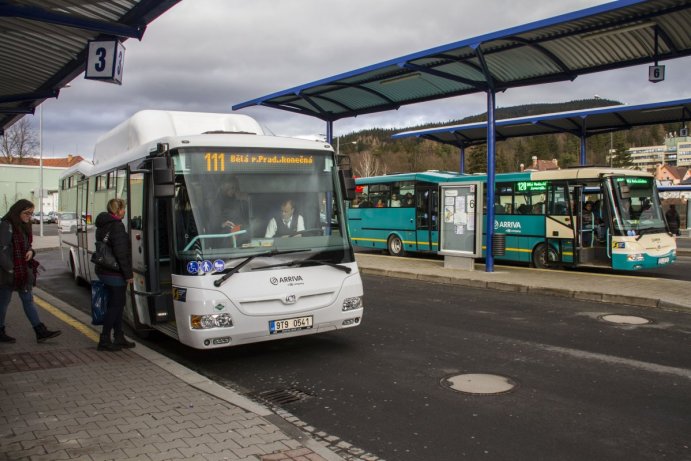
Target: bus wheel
[
  {"x": 73, "y": 269},
  {"x": 543, "y": 256},
  {"x": 395, "y": 246}
]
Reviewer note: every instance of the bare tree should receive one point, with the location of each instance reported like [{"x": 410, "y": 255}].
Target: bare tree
[
  {"x": 366, "y": 165},
  {"x": 20, "y": 141}
]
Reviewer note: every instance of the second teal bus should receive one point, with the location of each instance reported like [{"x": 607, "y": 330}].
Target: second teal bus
[{"x": 589, "y": 216}]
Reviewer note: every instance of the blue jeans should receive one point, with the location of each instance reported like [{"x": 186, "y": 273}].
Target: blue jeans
[{"x": 27, "y": 298}]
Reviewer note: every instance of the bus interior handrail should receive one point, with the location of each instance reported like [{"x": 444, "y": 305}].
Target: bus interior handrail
[{"x": 210, "y": 236}]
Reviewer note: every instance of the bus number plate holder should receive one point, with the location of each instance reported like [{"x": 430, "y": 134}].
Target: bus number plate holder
[{"x": 293, "y": 324}]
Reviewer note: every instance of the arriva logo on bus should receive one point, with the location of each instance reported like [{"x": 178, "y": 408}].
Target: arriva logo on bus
[
  {"x": 508, "y": 226},
  {"x": 289, "y": 279}
]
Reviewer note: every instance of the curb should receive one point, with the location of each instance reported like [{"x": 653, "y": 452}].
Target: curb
[{"x": 516, "y": 288}]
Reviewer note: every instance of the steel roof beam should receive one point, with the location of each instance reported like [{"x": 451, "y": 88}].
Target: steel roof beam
[
  {"x": 30, "y": 96},
  {"x": 445, "y": 75},
  {"x": 38, "y": 14},
  {"x": 17, "y": 111},
  {"x": 551, "y": 56},
  {"x": 557, "y": 128}
]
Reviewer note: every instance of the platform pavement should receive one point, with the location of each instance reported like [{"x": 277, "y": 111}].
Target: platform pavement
[{"x": 62, "y": 399}]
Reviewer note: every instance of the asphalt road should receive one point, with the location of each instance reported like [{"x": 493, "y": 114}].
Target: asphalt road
[{"x": 586, "y": 389}]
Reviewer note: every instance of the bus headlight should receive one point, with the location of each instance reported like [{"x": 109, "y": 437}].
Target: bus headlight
[
  {"x": 350, "y": 304},
  {"x": 635, "y": 257},
  {"x": 204, "y": 322}
]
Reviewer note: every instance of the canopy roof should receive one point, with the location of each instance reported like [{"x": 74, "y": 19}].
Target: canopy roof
[
  {"x": 614, "y": 35},
  {"x": 44, "y": 44},
  {"x": 580, "y": 122}
]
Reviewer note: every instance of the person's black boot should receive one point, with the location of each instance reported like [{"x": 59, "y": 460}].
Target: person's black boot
[
  {"x": 5, "y": 338},
  {"x": 122, "y": 342},
  {"x": 105, "y": 344},
  {"x": 43, "y": 333}
]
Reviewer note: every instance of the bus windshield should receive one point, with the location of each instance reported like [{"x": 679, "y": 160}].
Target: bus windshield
[
  {"x": 637, "y": 207},
  {"x": 233, "y": 203}
]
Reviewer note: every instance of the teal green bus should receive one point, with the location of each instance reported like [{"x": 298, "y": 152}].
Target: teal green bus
[{"x": 589, "y": 216}]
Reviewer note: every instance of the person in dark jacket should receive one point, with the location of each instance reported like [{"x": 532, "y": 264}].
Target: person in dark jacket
[
  {"x": 110, "y": 223},
  {"x": 673, "y": 219},
  {"x": 18, "y": 268},
  {"x": 288, "y": 223}
]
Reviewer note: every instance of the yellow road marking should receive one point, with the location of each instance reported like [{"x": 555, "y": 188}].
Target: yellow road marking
[{"x": 71, "y": 321}]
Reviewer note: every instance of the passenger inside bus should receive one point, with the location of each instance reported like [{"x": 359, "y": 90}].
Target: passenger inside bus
[{"x": 234, "y": 210}]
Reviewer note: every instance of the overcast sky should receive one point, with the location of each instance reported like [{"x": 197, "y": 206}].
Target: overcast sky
[{"x": 206, "y": 55}]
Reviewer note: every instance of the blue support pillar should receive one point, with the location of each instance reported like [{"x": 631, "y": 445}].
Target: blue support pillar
[
  {"x": 461, "y": 167},
  {"x": 583, "y": 144},
  {"x": 330, "y": 132},
  {"x": 489, "y": 225}
]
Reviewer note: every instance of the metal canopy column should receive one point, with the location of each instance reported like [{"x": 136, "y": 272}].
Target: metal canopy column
[
  {"x": 330, "y": 131},
  {"x": 489, "y": 256},
  {"x": 491, "y": 141}
]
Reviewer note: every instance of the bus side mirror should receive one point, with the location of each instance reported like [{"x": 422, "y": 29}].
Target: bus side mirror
[
  {"x": 163, "y": 177},
  {"x": 347, "y": 183}
]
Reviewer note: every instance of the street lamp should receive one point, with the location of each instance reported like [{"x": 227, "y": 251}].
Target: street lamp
[
  {"x": 40, "y": 168},
  {"x": 338, "y": 145}
]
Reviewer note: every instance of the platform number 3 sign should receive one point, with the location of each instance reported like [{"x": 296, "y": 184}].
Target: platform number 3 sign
[{"x": 105, "y": 61}]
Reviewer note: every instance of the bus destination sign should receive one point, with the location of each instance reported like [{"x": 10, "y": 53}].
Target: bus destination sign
[
  {"x": 219, "y": 162},
  {"x": 531, "y": 186}
]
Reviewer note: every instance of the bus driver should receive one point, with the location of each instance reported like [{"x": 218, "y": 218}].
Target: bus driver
[{"x": 289, "y": 223}]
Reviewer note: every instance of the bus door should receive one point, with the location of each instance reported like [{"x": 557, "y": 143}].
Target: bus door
[
  {"x": 426, "y": 214},
  {"x": 151, "y": 222},
  {"x": 559, "y": 225},
  {"x": 84, "y": 224}
]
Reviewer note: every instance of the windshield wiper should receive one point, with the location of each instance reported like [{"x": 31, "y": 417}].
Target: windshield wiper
[
  {"x": 236, "y": 269},
  {"x": 308, "y": 262},
  {"x": 647, "y": 230}
]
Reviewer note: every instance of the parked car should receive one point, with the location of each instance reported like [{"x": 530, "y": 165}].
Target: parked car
[
  {"x": 37, "y": 217},
  {"x": 67, "y": 222},
  {"x": 52, "y": 217}
]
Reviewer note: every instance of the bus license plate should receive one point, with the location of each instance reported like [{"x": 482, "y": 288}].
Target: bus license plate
[
  {"x": 294, "y": 324},
  {"x": 663, "y": 260}
]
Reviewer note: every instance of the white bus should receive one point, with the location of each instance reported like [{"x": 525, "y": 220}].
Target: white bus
[{"x": 208, "y": 285}]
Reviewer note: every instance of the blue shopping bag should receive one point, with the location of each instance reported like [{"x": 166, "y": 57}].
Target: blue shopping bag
[{"x": 99, "y": 302}]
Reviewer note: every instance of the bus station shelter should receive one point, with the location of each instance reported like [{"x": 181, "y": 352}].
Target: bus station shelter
[
  {"x": 44, "y": 45},
  {"x": 610, "y": 36},
  {"x": 581, "y": 123}
]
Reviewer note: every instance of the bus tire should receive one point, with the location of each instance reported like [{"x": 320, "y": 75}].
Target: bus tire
[
  {"x": 395, "y": 246},
  {"x": 75, "y": 276},
  {"x": 73, "y": 269},
  {"x": 544, "y": 255}
]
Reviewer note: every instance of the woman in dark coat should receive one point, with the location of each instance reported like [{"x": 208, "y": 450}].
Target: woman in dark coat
[
  {"x": 110, "y": 223},
  {"x": 18, "y": 268}
]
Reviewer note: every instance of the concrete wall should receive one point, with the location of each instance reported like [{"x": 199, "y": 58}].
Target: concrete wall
[{"x": 22, "y": 181}]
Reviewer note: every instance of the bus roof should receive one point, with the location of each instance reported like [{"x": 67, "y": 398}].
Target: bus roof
[
  {"x": 150, "y": 125},
  {"x": 449, "y": 176},
  {"x": 84, "y": 167},
  {"x": 137, "y": 136}
]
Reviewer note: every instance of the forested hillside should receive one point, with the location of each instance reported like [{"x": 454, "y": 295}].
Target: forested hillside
[{"x": 373, "y": 151}]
